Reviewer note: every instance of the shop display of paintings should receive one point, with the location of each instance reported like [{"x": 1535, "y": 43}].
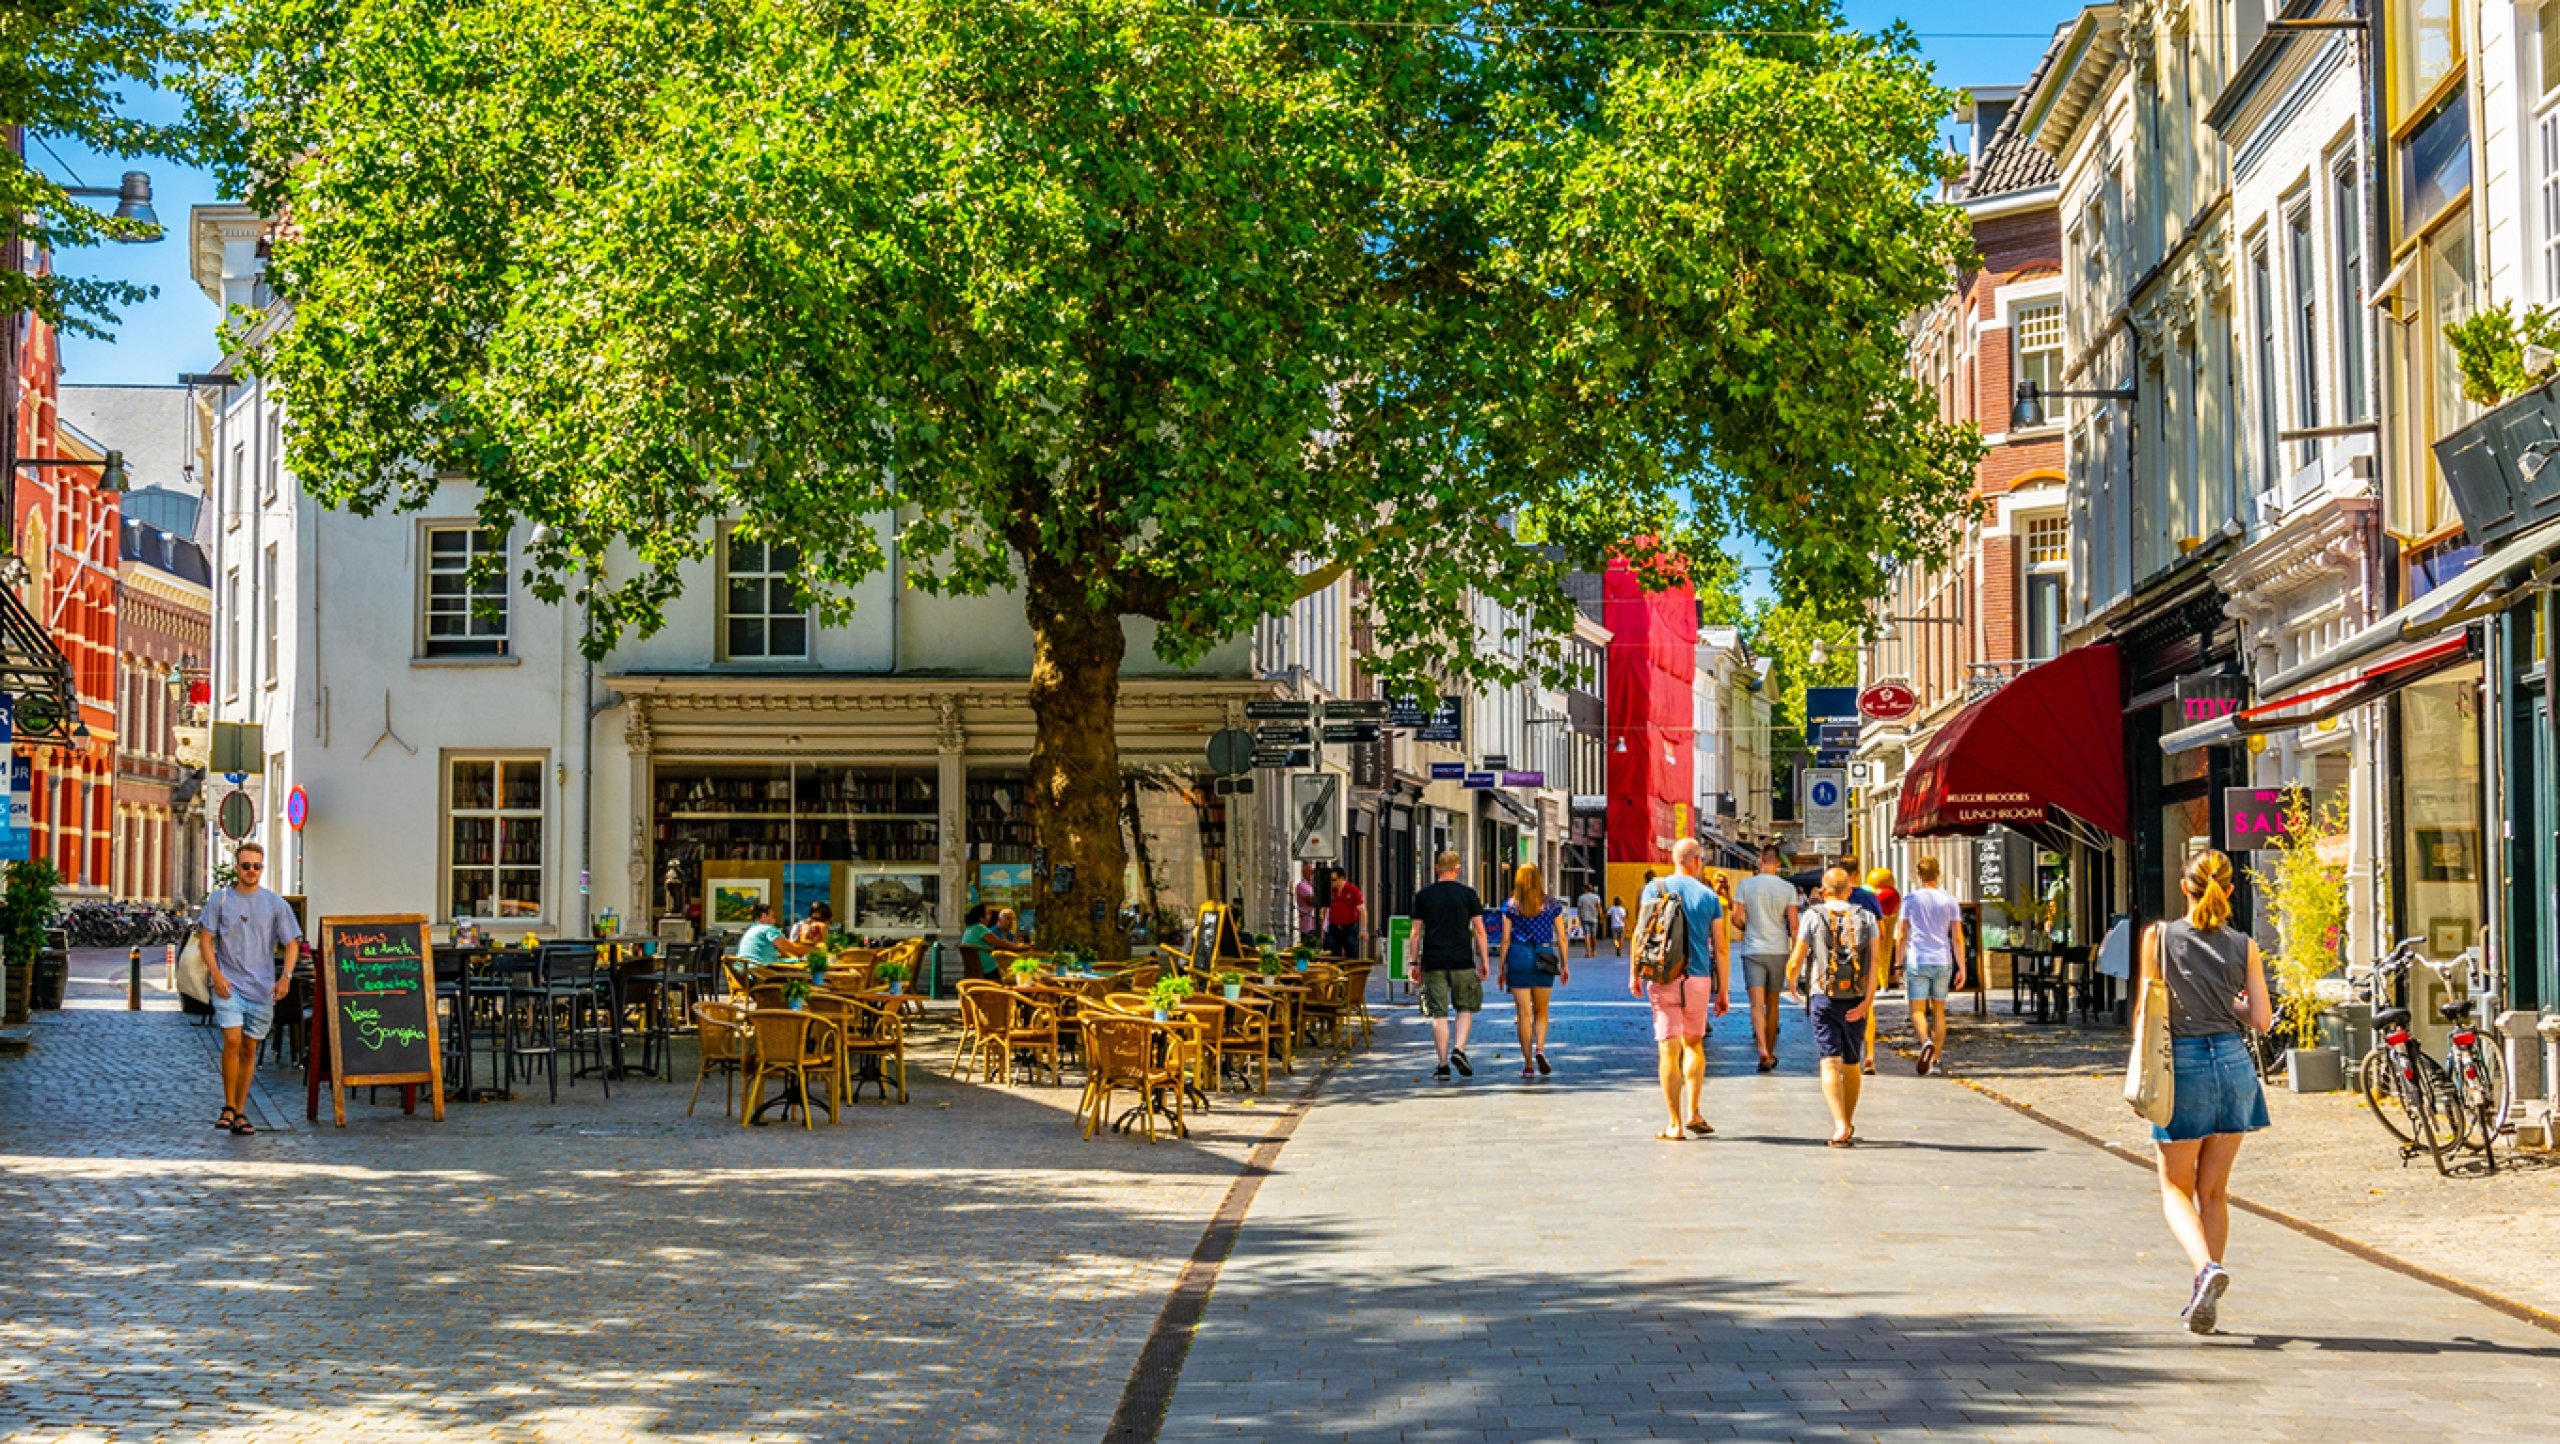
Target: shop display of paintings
[{"x": 893, "y": 901}]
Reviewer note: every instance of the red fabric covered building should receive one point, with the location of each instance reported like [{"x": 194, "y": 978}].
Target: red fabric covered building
[{"x": 1653, "y": 660}]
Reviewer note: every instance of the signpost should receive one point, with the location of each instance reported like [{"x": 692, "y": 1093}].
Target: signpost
[
  {"x": 297, "y": 808},
  {"x": 377, "y": 995},
  {"x": 1274, "y": 709},
  {"x": 1826, "y": 804},
  {"x": 1230, "y": 751},
  {"x": 238, "y": 814}
]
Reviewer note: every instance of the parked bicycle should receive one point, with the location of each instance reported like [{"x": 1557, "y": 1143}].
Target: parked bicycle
[
  {"x": 2475, "y": 1059},
  {"x": 2409, "y": 1092}
]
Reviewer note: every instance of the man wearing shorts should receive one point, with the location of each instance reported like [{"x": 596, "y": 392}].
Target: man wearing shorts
[
  {"x": 1448, "y": 926},
  {"x": 1835, "y": 955},
  {"x": 1932, "y": 940},
  {"x": 1680, "y": 1007},
  {"x": 238, "y": 934},
  {"x": 1768, "y": 904}
]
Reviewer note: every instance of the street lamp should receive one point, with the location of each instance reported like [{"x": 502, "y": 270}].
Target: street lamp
[
  {"x": 2536, "y": 457},
  {"x": 2028, "y": 411},
  {"x": 112, "y": 474},
  {"x": 132, "y": 196}
]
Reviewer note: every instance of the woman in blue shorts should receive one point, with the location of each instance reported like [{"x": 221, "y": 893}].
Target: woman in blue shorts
[
  {"x": 2217, "y": 995},
  {"x": 1536, "y": 956}
]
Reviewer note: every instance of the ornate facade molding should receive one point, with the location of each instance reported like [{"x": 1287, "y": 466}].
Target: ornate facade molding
[
  {"x": 948, "y": 733},
  {"x": 636, "y": 732}
]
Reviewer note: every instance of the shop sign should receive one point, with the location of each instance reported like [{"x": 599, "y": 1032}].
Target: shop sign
[
  {"x": 1888, "y": 701},
  {"x": 1590, "y": 802},
  {"x": 2208, "y": 697},
  {"x": 1448, "y": 771},
  {"x": 1524, "y": 779},
  {"x": 2253, "y": 817},
  {"x": 1477, "y": 780},
  {"x": 1369, "y": 763}
]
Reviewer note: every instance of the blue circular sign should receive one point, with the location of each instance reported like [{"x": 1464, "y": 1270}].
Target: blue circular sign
[{"x": 1825, "y": 793}]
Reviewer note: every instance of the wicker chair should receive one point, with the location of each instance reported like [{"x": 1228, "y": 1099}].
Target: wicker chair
[
  {"x": 1003, "y": 1023},
  {"x": 1330, "y": 1009},
  {"x": 876, "y": 1031},
  {"x": 1247, "y": 1041},
  {"x": 1206, "y": 1048},
  {"x": 800, "y": 1046},
  {"x": 1356, "y": 974},
  {"x": 727, "y": 1044},
  {"x": 1135, "y": 1055}
]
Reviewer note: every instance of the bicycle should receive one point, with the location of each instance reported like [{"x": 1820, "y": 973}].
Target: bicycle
[
  {"x": 2476, "y": 1073},
  {"x": 2410, "y": 1094}
]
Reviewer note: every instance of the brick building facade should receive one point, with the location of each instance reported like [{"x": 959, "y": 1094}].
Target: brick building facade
[{"x": 164, "y": 636}]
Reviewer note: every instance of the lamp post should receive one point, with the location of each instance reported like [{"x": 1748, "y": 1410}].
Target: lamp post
[{"x": 2027, "y": 412}]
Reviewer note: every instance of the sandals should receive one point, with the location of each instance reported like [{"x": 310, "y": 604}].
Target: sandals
[
  {"x": 1845, "y": 1140},
  {"x": 1543, "y": 1067},
  {"x": 230, "y": 1115},
  {"x": 1672, "y": 1135},
  {"x": 1702, "y": 1128}
]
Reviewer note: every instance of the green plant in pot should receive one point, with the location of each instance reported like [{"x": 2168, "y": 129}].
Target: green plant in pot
[
  {"x": 1231, "y": 983},
  {"x": 1168, "y": 994},
  {"x": 26, "y": 907},
  {"x": 1268, "y": 964},
  {"x": 892, "y": 977},
  {"x": 1025, "y": 969},
  {"x": 2306, "y": 897},
  {"x": 1302, "y": 955},
  {"x": 795, "y": 993}
]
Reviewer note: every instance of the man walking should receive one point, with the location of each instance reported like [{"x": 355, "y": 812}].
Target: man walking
[
  {"x": 1448, "y": 926},
  {"x": 238, "y": 934},
  {"x": 1586, "y": 908},
  {"x": 1346, "y": 917},
  {"x": 1932, "y": 938},
  {"x": 1769, "y": 917},
  {"x": 1835, "y": 956},
  {"x": 1680, "y": 1007}
]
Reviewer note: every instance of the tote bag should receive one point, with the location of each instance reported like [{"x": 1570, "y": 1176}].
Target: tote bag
[{"x": 2150, "y": 1084}]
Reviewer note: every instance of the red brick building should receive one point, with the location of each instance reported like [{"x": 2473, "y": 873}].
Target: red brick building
[
  {"x": 1956, "y": 632},
  {"x": 65, "y": 531},
  {"x": 164, "y": 637}
]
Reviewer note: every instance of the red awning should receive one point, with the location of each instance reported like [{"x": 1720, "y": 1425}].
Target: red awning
[{"x": 2050, "y": 742}]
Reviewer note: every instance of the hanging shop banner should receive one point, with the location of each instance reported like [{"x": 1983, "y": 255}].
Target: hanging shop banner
[{"x": 2253, "y": 817}]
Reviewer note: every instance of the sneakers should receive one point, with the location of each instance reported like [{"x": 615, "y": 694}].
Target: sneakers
[
  {"x": 1544, "y": 1067},
  {"x": 1928, "y": 1055},
  {"x": 1441, "y": 1072},
  {"x": 2204, "y": 1307},
  {"x": 1458, "y": 1060}
]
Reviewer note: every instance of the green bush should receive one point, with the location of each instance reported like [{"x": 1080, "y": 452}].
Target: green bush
[
  {"x": 2488, "y": 348},
  {"x": 26, "y": 909}
]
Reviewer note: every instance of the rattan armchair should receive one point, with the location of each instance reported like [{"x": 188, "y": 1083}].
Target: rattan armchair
[
  {"x": 1133, "y": 1055},
  {"x": 876, "y": 1031},
  {"x": 727, "y": 1044},
  {"x": 800, "y": 1046},
  {"x": 1003, "y": 1023}
]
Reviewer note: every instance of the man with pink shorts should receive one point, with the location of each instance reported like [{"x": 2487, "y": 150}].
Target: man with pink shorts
[{"x": 1681, "y": 1007}]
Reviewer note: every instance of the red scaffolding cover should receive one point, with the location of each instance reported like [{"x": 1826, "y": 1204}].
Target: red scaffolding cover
[{"x": 1653, "y": 661}]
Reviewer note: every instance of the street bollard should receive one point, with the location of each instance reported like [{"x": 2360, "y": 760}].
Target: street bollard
[{"x": 133, "y": 979}]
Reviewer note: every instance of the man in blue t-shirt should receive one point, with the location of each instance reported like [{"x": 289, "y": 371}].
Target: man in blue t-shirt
[{"x": 1680, "y": 1008}]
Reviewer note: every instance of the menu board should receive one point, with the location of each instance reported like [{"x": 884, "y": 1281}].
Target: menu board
[
  {"x": 1204, "y": 937},
  {"x": 377, "y": 987}
]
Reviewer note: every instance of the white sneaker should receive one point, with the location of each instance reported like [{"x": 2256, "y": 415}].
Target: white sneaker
[{"x": 2204, "y": 1307}]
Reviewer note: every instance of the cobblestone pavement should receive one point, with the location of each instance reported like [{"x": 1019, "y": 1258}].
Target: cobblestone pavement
[
  {"x": 958, "y": 1268},
  {"x": 2325, "y": 1160},
  {"x": 1509, "y": 1260}
]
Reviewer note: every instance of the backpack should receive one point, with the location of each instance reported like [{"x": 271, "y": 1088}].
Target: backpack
[
  {"x": 1842, "y": 969},
  {"x": 1660, "y": 951}
]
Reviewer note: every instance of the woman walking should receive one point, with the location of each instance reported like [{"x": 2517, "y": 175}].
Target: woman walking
[
  {"x": 2217, "y": 992},
  {"x": 1536, "y": 956}
]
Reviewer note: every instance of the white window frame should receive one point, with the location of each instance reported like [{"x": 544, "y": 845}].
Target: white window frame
[
  {"x": 472, "y": 643},
  {"x": 231, "y": 609},
  {"x": 2543, "y": 147},
  {"x": 275, "y": 454},
  {"x": 2024, "y": 311},
  {"x": 272, "y": 602},
  {"x": 2031, "y": 567},
  {"x": 236, "y": 494},
  {"x": 449, "y": 813},
  {"x": 767, "y": 657}
]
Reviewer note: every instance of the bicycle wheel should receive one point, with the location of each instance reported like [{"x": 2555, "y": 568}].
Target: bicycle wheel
[
  {"x": 2447, "y": 1116},
  {"x": 2379, "y": 1081},
  {"x": 2476, "y": 1076}
]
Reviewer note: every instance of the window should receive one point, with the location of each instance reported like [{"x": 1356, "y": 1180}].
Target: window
[
  {"x": 2262, "y": 300},
  {"x": 466, "y": 613},
  {"x": 2304, "y": 263},
  {"x": 763, "y": 616},
  {"x": 493, "y": 828},
  {"x": 2439, "y": 290},
  {"x": 231, "y": 609},
  {"x": 236, "y": 495},
  {"x": 2346, "y": 218},
  {"x": 2049, "y": 540},
  {"x": 2037, "y": 330},
  {"x": 275, "y": 452},
  {"x": 2546, "y": 27},
  {"x": 275, "y": 615},
  {"x": 2424, "y": 47},
  {"x": 2435, "y": 163}
]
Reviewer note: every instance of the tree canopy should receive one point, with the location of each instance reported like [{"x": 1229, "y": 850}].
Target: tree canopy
[
  {"x": 63, "y": 64},
  {"x": 1149, "y": 308}
]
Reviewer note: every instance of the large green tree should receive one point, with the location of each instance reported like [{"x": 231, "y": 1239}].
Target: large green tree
[
  {"x": 1146, "y": 308},
  {"x": 63, "y": 67}
]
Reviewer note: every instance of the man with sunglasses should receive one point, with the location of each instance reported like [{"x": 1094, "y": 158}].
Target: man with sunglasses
[{"x": 239, "y": 933}]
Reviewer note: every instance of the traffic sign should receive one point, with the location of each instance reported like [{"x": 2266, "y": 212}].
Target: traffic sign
[
  {"x": 238, "y": 815},
  {"x": 1826, "y": 802},
  {"x": 1355, "y": 711},
  {"x": 1230, "y": 751},
  {"x": 297, "y": 808},
  {"x": 1340, "y": 732},
  {"x": 1272, "y": 709},
  {"x": 1888, "y": 701},
  {"x": 1315, "y": 810},
  {"x": 1232, "y": 786}
]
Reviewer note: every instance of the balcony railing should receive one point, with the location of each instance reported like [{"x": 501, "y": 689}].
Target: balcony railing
[{"x": 1984, "y": 678}]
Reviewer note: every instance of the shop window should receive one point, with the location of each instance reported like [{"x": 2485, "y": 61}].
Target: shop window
[
  {"x": 466, "y": 615},
  {"x": 867, "y": 841},
  {"x": 494, "y": 852},
  {"x": 2438, "y": 291},
  {"x": 2442, "y": 893},
  {"x": 763, "y": 615}
]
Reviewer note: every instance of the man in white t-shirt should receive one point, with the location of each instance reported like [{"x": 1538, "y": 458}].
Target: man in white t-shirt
[
  {"x": 1932, "y": 938},
  {"x": 1767, "y": 903},
  {"x": 1586, "y": 908},
  {"x": 1617, "y": 927}
]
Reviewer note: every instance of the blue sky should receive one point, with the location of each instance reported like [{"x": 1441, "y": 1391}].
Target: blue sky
[{"x": 1971, "y": 42}]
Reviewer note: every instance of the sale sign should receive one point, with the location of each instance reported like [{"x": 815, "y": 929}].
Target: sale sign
[{"x": 2253, "y": 817}]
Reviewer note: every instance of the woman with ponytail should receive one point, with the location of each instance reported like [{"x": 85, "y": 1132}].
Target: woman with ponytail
[{"x": 2217, "y": 993}]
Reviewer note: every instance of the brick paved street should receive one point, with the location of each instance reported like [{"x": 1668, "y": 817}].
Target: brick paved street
[
  {"x": 962, "y": 1267},
  {"x": 1509, "y": 1261}
]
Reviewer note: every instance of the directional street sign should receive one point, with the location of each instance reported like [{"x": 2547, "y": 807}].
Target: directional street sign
[
  {"x": 1315, "y": 812},
  {"x": 1280, "y": 734},
  {"x": 1355, "y": 711},
  {"x": 1271, "y": 709},
  {"x": 1282, "y": 757},
  {"x": 1339, "y": 732}
]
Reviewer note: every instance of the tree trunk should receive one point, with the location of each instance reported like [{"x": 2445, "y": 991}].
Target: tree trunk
[{"x": 1075, "y": 764}]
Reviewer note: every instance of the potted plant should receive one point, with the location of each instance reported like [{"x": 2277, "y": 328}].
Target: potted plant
[
  {"x": 2484, "y": 461},
  {"x": 1168, "y": 994},
  {"x": 819, "y": 962},
  {"x": 1268, "y": 964},
  {"x": 892, "y": 978},
  {"x": 795, "y": 993},
  {"x": 1231, "y": 983},
  {"x": 1302, "y": 955},
  {"x": 1024, "y": 969},
  {"x": 1073, "y": 958},
  {"x": 2308, "y": 898}
]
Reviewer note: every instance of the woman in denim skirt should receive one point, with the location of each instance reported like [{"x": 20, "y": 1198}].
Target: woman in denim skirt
[
  {"x": 2217, "y": 994},
  {"x": 1536, "y": 957}
]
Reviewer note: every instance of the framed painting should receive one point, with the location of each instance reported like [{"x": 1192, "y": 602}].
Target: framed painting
[{"x": 733, "y": 900}]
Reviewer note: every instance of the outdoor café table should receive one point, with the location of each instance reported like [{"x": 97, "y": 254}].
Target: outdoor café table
[
  {"x": 870, "y": 1071},
  {"x": 1287, "y": 997},
  {"x": 2055, "y": 976}
]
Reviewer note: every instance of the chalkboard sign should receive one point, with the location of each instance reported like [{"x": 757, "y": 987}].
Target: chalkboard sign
[
  {"x": 1204, "y": 938},
  {"x": 377, "y": 986}
]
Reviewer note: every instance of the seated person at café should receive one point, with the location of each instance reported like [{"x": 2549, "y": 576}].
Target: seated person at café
[
  {"x": 764, "y": 943},
  {"x": 1007, "y": 933},
  {"x": 813, "y": 929},
  {"x": 973, "y": 926}
]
